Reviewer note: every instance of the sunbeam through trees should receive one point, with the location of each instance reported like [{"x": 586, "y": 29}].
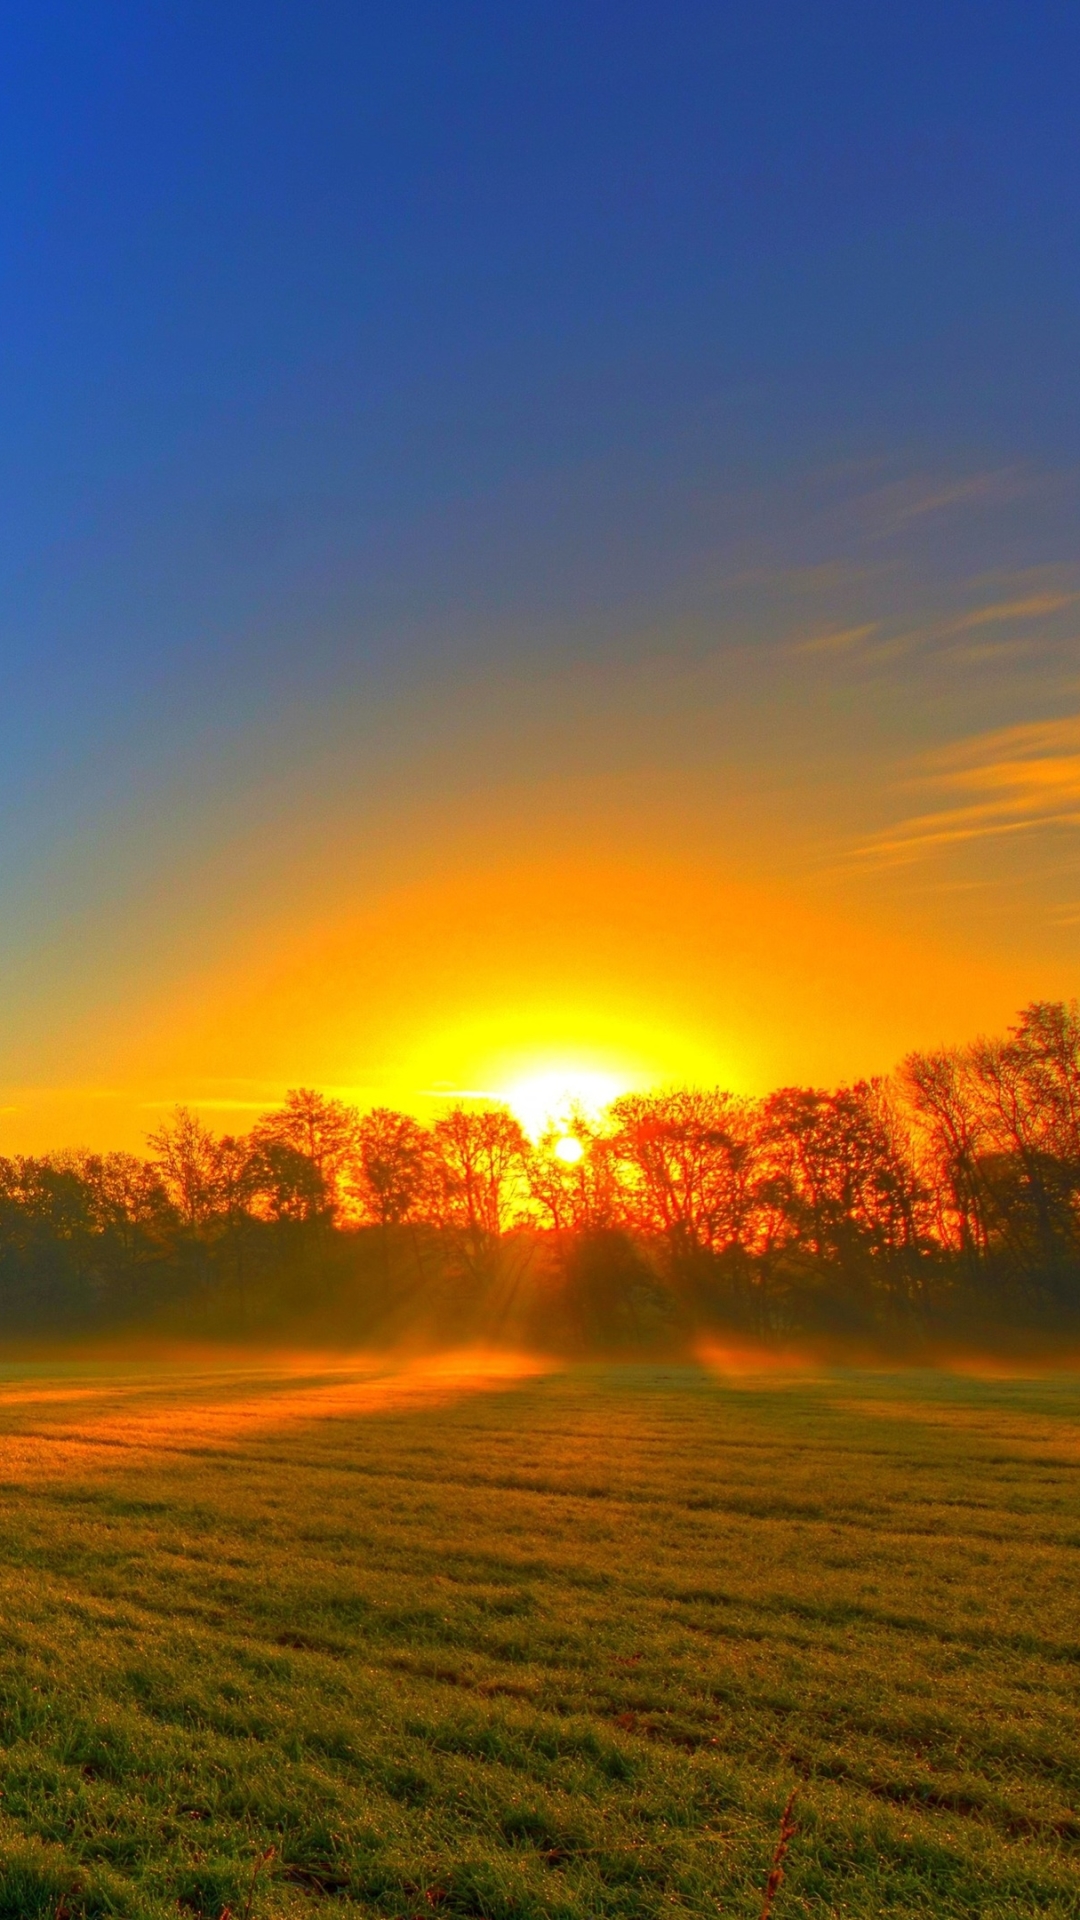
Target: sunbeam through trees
[{"x": 941, "y": 1203}]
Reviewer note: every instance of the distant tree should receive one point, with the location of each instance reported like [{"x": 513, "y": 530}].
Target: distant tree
[
  {"x": 126, "y": 1195},
  {"x": 847, "y": 1216},
  {"x": 950, "y": 1140},
  {"x": 481, "y": 1155},
  {"x": 1027, "y": 1090},
  {"x": 47, "y": 1269},
  {"x": 580, "y": 1195},
  {"x": 131, "y": 1224},
  {"x": 322, "y": 1129},
  {"x": 688, "y": 1163},
  {"x": 1045, "y": 1048},
  {"x": 999, "y": 1123},
  {"x": 952, "y": 1191},
  {"x": 394, "y": 1167},
  {"x": 602, "y": 1288},
  {"x": 283, "y": 1182},
  {"x": 187, "y": 1159}
]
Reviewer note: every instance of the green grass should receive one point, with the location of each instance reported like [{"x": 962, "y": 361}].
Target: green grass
[{"x": 560, "y": 1647}]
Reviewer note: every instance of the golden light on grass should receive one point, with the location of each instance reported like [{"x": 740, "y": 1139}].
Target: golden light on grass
[
  {"x": 225, "y": 1399},
  {"x": 185, "y": 1583}
]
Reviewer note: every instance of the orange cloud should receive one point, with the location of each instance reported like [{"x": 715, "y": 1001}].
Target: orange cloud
[{"x": 1027, "y": 777}]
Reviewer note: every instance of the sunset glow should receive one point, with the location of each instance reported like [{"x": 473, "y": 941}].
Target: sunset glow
[
  {"x": 566, "y": 658},
  {"x": 539, "y": 970},
  {"x": 553, "y": 1096}
]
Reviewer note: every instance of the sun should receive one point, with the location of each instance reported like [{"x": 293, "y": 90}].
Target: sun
[
  {"x": 569, "y": 1149},
  {"x": 551, "y": 1096}
]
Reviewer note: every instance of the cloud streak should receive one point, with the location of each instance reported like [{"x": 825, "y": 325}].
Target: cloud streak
[
  {"x": 966, "y": 638},
  {"x": 845, "y": 640},
  {"x": 1014, "y": 780},
  {"x": 892, "y": 508}
]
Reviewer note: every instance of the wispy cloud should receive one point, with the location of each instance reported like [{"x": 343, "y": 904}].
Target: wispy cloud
[
  {"x": 896, "y": 505},
  {"x": 1036, "y": 606},
  {"x": 841, "y": 640},
  {"x": 1014, "y": 780},
  {"x": 966, "y": 638}
]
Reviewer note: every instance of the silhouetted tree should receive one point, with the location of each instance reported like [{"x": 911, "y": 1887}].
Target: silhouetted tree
[
  {"x": 481, "y": 1156},
  {"x": 840, "y": 1196},
  {"x": 950, "y": 1136},
  {"x": 186, "y": 1159},
  {"x": 689, "y": 1161},
  {"x": 394, "y": 1167},
  {"x": 576, "y": 1196},
  {"x": 283, "y": 1183},
  {"x": 322, "y": 1130},
  {"x": 948, "y": 1198}
]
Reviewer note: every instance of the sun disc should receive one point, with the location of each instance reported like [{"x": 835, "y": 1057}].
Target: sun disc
[
  {"x": 552, "y": 1095},
  {"x": 569, "y": 1150}
]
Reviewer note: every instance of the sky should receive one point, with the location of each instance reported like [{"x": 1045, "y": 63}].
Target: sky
[{"x": 537, "y": 541}]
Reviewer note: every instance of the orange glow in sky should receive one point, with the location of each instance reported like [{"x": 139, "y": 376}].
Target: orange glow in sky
[
  {"x": 741, "y": 871},
  {"x": 552, "y": 1095},
  {"x": 682, "y": 975},
  {"x": 520, "y": 581}
]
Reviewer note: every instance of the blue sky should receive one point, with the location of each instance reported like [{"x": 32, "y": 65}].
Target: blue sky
[{"x": 395, "y": 399}]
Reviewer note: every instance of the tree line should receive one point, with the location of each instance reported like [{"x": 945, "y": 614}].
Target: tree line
[{"x": 943, "y": 1200}]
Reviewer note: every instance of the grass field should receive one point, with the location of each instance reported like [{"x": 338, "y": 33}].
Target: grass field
[{"x": 551, "y": 1645}]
